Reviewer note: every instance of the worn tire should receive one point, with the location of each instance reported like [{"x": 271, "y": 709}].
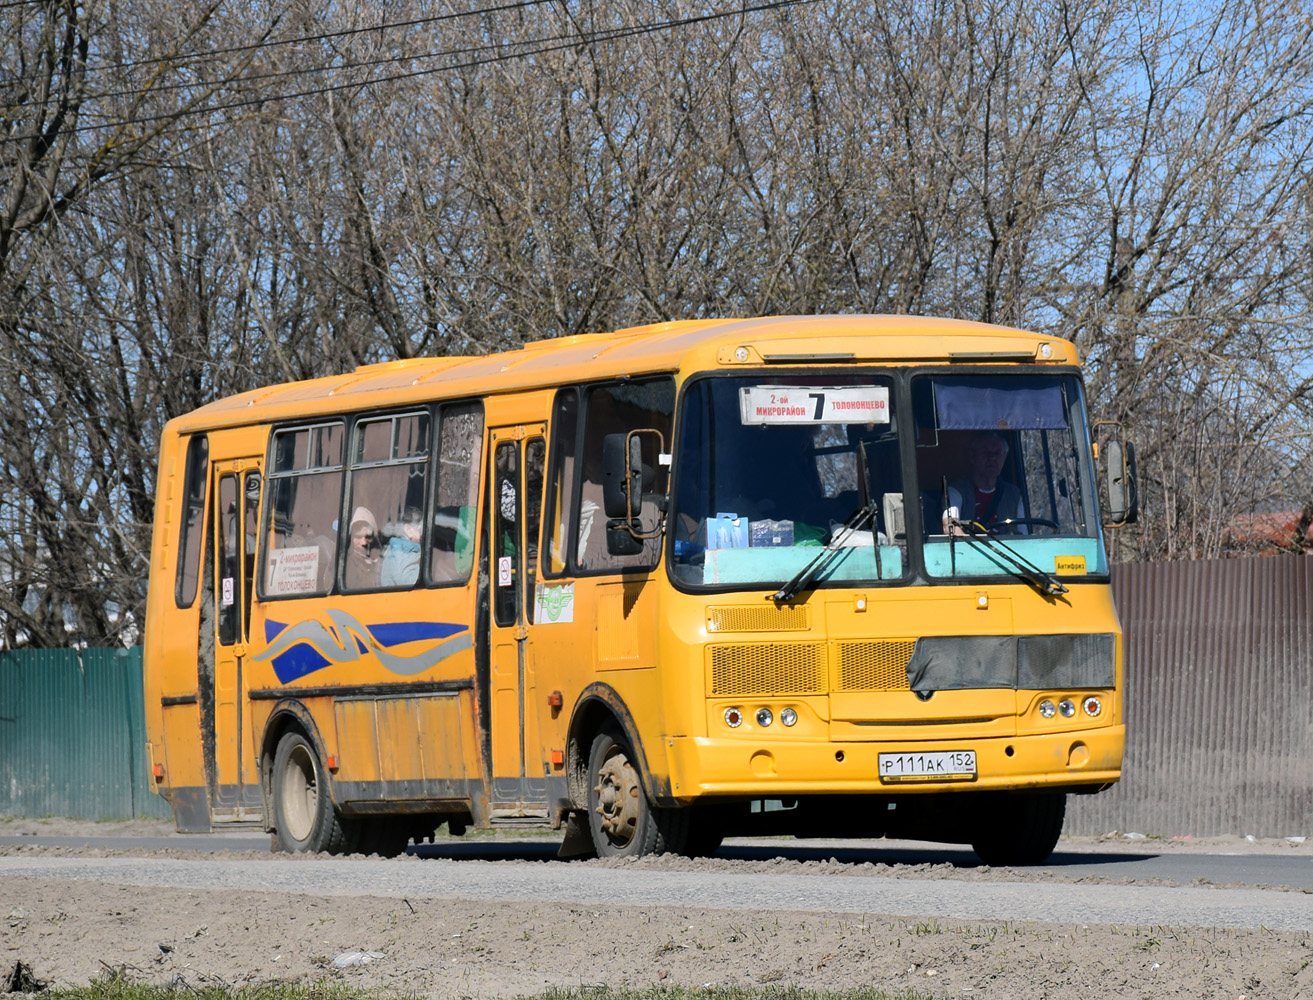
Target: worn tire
[
  {"x": 1021, "y": 829},
  {"x": 304, "y": 817},
  {"x": 622, "y": 822}
]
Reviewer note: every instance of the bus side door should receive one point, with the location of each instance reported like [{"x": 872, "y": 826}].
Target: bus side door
[
  {"x": 519, "y": 786},
  {"x": 230, "y": 770}
]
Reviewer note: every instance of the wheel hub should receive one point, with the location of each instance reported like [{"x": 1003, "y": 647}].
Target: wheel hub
[
  {"x": 618, "y": 798},
  {"x": 300, "y": 794}
]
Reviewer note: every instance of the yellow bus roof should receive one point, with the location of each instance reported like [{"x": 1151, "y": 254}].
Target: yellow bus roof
[{"x": 688, "y": 345}]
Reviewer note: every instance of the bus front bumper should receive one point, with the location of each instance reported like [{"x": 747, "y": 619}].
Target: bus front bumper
[{"x": 1080, "y": 760}]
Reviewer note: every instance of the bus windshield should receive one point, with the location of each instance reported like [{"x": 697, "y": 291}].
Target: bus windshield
[
  {"x": 771, "y": 469},
  {"x": 1004, "y": 473}
]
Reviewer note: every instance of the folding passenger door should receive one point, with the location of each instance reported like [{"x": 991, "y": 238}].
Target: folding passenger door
[
  {"x": 230, "y": 771},
  {"x": 519, "y": 785}
]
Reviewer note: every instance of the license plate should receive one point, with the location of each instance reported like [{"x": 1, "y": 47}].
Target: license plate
[{"x": 936, "y": 765}]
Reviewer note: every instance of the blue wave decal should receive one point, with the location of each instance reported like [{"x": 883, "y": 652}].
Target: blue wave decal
[
  {"x": 303, "y": 647},
  {"x": 395, "y": 633}
]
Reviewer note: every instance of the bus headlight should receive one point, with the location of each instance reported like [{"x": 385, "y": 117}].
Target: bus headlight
[
  {"x": 1047, "y": 709},
  {"x": 1067, "y": 707},
  {"x": 1093, "y": 707},
  {"x": 733, "y": 718},
  {"x": 788, "y": 716},
  {"x": 764, "y": 717}
]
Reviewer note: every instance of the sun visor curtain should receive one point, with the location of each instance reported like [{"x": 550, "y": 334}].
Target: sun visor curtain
[
  {"x": 976, "y": 407},
  {"x": 957, "y": 662}
]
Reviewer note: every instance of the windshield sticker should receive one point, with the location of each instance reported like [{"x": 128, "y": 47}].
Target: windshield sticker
[
  {"x": 812, "y": 404},
  {"x": 553, "y": 605},
  {"x": 293, "y": 570},
  {"x": 1069, "y": 565}
]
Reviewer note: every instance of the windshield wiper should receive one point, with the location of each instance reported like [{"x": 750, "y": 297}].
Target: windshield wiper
[
  {"x": 1045, "y": 583},
  {"x": 854, "y": 522}
]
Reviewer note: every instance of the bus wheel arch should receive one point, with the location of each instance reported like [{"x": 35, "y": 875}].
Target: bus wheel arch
[
  {"x": 287, "y": 714},
  {"x": 597, "y": 707},
  {"x": 297, "y": 789},
  {"x": 611, "y": 784}
]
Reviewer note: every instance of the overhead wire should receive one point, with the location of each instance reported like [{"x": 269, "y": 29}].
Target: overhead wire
[
  {"x": 339, "y": 67},
  {"x": 327, "y": 35},
  {"x": 560, "y": 43}
]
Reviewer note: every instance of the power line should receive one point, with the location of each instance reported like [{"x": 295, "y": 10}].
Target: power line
[
  {"x": 339, "y": 67},
  {"x": 590, "y": 38},
  {"x": 299, "y": 39}
]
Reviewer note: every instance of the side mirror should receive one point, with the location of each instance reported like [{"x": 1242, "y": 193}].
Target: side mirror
[
  {"x": 620, "y": 541},
  {"x": 622, "y": 476},
  {"x": 1123, "y": 492}
]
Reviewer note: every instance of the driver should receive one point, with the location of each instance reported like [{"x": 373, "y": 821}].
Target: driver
[{"x": 983, "y": 497}]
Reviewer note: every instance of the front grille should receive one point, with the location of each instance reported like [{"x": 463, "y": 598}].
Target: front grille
[
  {"x": 781, "y": 668},
  {"x": 874, "y": 666},
  {"x": 764, "y": 618}
]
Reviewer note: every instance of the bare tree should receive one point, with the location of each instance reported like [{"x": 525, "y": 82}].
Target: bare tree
[
  {"x": 200, "y": 199},
  {"x": 82, "y": 371}
]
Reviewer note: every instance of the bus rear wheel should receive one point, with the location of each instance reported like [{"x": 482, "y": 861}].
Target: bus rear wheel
[
  {"x": 1021, "y": 829},
  {"x": 621, "y": 820},
  {"x": 304, "y": 817}
]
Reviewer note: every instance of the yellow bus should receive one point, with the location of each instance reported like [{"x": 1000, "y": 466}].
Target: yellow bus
[{"x": 821, "y": 575}]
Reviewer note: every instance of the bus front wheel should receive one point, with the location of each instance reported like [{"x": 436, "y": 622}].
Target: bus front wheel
[
  {"x": 1021, "y": 829},
  {"x": 622, "y": 821},
  {"x": 304, "y": 817}
]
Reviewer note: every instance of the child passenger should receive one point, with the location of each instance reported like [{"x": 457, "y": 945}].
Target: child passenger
[{"x": 401, "y": 558}]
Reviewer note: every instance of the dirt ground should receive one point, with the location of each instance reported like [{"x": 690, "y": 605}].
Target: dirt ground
[{"x": 71, "y": 932}]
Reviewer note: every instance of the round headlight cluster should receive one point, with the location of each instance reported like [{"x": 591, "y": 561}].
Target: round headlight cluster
[
  {"x": 1092, "y": 705},
  {"x": 764, "y": 717}
]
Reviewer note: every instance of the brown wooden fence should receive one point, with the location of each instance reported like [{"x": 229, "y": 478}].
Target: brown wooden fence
[{"x": 1219, "y": 701}]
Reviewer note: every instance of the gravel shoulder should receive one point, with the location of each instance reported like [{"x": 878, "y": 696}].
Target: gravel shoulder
[{"x": 72, "y": 931}]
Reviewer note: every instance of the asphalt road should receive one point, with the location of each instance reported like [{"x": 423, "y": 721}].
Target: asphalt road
[
  {"x": 1030, "y": 898},
  {"x": 1219, "y": 869},
  {"x": 1236, "y": 890}
]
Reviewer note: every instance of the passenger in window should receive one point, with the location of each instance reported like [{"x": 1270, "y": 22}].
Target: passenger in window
[
  {"x": 982, "y": 497},
  {"x": 401, "y": 557},
  {"x": 363, "y": 558}
]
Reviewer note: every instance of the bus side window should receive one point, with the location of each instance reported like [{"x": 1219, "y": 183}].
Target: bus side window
[
  {"x": 611, "y": 409},
  {"x": 229, "y": 545},
  {"x": 193, "y": 521},
  {"x": 303, "y": 499},
  {"x": 251, "y": 534},
  {"x": 459, "y": 458},
  {"x": 389, "y": 480},
  {"x": 560, "y": 489},
  {"x": 535, "y": 458}
]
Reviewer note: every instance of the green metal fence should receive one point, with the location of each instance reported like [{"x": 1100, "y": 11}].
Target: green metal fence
[
  {"x": 73, "y": 735},
  {"x": 1218, "y": 714}
]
